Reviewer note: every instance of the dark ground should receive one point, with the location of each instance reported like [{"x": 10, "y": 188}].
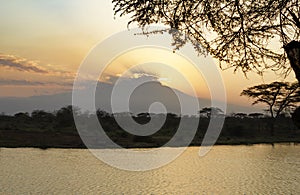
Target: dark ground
[{"x": 57, "y": 130}]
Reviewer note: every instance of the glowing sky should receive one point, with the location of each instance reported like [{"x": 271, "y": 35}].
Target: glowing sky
[{"x": 43, "y": 42}]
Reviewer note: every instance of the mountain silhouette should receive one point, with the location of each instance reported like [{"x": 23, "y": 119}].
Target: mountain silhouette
[{"x": 140, "y": 100}]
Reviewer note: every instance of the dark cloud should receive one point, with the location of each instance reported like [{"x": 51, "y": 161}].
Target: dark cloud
[{"x": 21, "y": 64}]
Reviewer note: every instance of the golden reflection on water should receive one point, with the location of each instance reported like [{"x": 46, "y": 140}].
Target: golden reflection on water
[{"x": 259, "y": 169}]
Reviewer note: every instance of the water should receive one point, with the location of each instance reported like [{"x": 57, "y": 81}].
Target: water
[{"x": 259, "y": 169}]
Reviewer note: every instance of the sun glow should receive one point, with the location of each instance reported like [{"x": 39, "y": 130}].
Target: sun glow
[{"x": 170, "y": 69}]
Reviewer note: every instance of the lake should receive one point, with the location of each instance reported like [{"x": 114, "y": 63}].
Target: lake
[{"x": 257, "y": 169}]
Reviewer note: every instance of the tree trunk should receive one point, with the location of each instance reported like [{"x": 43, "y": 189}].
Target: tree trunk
[{"x": 292, "y": 50}]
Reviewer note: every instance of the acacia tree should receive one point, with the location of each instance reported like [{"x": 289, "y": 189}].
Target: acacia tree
[
  {"x": 240, "y": 33},
  {"x": 279, "y": 96},
  {"x": 240, "y": 115},
  {"x": 212, "y": 111}
]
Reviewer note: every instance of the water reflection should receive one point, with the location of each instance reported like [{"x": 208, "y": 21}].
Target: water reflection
[{"x": 259, "y": 169}]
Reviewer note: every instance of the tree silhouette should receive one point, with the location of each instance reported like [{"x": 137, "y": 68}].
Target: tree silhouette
[
  {"x": 240, "y": 115},
  {"x": 42, "y": 116},
  {"x": 64, "y": 116},
  {"x": 102, "y": 113},
  {"x": 256, "y": 115},
  {"x": 279, "y": 96},
  {"x": 212, "y": 111},
  {"x": 238, "y": 33}
]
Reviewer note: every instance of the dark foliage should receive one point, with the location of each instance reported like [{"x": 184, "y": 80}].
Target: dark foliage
[
  {"x": 211, "y": 112},
  {"x": 278, "y": 96},
  {"x": 44, "y": 129},
  {"x": 238, "y": 33}
]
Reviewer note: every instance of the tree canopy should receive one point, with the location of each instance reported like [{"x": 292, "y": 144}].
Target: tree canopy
[
  {"x": 256, "y": 115},
  {"x": 211, "y": 111},
  {"x": 240, "y": 33},
  {"x": 279, "y": 96}
]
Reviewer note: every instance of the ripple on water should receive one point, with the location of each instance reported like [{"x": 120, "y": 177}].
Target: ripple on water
[{"x": 257, "y": 169}]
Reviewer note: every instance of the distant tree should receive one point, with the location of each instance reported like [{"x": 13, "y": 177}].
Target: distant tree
[
  {"x": 22, "y": 115},
  {"x": 212, "y": 111},
  {"x": 238, "y": 33},
  {"x": 102, "y": 113},
  {"x": 22, "y": 118},
  {"x": 278, "y": 96},
  {"x": 64, "y": 116},
  {"x": 42, "y": 116},
  {"x": 240, "y": 115},
  {"x": 256, "y": 115}
]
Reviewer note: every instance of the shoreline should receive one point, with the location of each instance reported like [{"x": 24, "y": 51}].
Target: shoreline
[
  {"x": 56, "y": 140},
  {"x": 217, "y": 144}
]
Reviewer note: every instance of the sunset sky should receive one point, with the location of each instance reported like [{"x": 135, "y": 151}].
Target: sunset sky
[{"x": 44, "y": 42}]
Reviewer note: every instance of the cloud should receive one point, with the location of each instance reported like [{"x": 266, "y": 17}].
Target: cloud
[
  {"x": 31, "y": 66},
  {"x": 12, "y": 82},
  {"x": 131, "y": 75},
  {"x": 20, "y": 64}
]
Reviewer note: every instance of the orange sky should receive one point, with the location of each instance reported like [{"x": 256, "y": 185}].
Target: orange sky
[{"x": 44, "y": 42}]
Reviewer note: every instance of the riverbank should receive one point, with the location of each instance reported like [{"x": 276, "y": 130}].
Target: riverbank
[{"x": 44, "y": 140}]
